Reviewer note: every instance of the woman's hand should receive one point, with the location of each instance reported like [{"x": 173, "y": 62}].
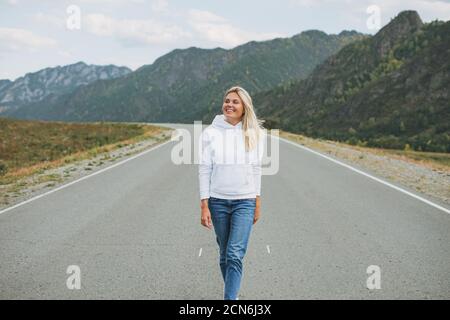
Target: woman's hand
[
  {"x": 257, "y": 209},
  {"x": 206, "y": 214}
]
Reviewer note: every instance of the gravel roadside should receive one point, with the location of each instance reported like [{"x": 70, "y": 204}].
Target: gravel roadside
[{"x": 423, "y": 177}]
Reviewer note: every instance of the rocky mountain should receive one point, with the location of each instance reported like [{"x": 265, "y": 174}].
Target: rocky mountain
[
  {"x": 188, "y": 84},
  {"x": 390, "y": 90},
  {"x": 36, "y": 86},
  {"x": 4, "y": 83}
]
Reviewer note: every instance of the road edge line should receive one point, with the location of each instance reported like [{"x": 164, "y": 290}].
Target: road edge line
[
  {"x": 437, "y": 206},
  {"x": 86, "y": 177}
]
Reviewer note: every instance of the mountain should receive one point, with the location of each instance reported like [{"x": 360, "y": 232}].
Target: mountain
[
  {"x": 4, "y": 83},
  {"x": 188, "y": 84},
  {"x": 36, "y": 86},
  {"x": 389, "y": 90}
]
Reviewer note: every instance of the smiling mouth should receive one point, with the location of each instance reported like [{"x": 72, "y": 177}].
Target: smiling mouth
[{"x": 229, "y": 109}]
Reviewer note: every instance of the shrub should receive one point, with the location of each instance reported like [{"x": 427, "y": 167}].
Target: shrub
[{"x": 3, "y": 168}]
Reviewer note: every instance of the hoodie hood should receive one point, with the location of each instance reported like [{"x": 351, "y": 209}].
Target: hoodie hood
[{"x": 219, "y": 122}]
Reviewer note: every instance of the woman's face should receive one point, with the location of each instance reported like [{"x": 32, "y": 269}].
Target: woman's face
[{"x": 233, "y": 108}]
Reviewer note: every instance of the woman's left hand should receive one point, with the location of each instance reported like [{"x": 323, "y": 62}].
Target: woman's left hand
[{"x": 257, "y": 210}]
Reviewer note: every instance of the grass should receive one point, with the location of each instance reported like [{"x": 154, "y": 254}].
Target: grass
[
  {"x": 48, "y": 177},
  {"x": 29, "y": 147},
  {"x": 436, "y": 157}
]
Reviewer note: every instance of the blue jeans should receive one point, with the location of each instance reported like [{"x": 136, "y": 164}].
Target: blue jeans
[{"x": 232, "y": 221}]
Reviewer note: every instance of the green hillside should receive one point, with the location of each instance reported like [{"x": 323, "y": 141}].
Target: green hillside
[
  {"x": 188, "y": 84},
  {"x": 389, "y": 90}
]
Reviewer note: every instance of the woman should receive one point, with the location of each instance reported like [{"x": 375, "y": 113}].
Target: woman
[{"x": 231, "y": 150}]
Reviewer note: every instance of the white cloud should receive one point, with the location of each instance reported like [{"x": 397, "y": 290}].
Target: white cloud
[
  {"x": 113, "y": 1},
  {"x": 205, "y": 16},
  {"x": 65, "y": 54},
  {"x": 320, "y": 3},
  {"x": 160, "y": 6},
  {"x": 133, "y": 31},
  {"x": 48, "y": 19},
  {"x": 14, "y": 39},
  {"x": 304, "y": 3},
  {"x": 427, "y": 9},
  {"x": 217, "y": 29}
]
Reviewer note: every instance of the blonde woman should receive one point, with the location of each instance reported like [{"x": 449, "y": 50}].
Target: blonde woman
[{"x": 230, "y": 154}]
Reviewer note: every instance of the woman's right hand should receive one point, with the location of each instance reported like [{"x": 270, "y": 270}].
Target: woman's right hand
[{"x": 206, "y": 216}]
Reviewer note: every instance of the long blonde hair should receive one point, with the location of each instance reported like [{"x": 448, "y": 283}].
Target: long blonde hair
[{"x": 251, "y": 125}]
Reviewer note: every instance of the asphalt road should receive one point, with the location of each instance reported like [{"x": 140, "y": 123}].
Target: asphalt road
[{"x": 134, "y": 232}]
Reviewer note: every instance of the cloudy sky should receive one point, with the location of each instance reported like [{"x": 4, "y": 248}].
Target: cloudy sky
[{"x": 37, "y": 34}]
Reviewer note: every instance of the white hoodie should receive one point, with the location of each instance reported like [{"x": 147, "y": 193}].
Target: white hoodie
[{"x": 226, "y": 170}]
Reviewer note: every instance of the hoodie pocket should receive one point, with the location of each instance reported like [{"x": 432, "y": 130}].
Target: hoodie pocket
[{"x": 232, "y": 179}]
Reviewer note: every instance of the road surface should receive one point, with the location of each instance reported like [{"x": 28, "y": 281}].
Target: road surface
[{"x": 134, "y": 233}]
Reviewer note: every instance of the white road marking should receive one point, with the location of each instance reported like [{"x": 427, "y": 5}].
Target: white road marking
[
  {"x": 85, "y": 177},
  {"x": 268, "y": 249},
  {"x": 369, "y": 176},
  {"x": 200, "y": 252}
]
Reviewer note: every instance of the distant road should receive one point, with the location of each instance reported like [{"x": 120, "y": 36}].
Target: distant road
[{"x": 134, "y": 231}]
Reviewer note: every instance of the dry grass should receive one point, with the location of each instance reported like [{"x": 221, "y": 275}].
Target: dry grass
[{"x": 29, "y": 147}]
